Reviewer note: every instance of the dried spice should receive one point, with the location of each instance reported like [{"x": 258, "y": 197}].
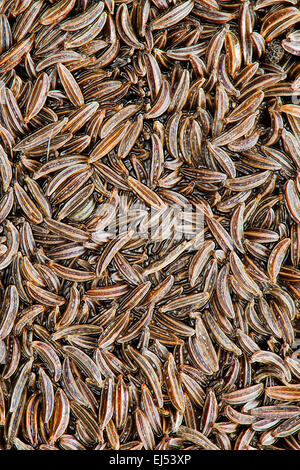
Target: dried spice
[{"x": 149, "y": 224}]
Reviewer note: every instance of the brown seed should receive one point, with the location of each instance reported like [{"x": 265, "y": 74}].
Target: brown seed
[
  {"x": 149, "y": 225},
  {"x": 70, "y": 85}
]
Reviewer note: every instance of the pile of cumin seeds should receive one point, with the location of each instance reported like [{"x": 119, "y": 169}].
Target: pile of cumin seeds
[{"x": 149, "y": 214}]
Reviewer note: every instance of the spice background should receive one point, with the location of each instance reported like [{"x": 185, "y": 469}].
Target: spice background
[{"x": 149, "y": 225}]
